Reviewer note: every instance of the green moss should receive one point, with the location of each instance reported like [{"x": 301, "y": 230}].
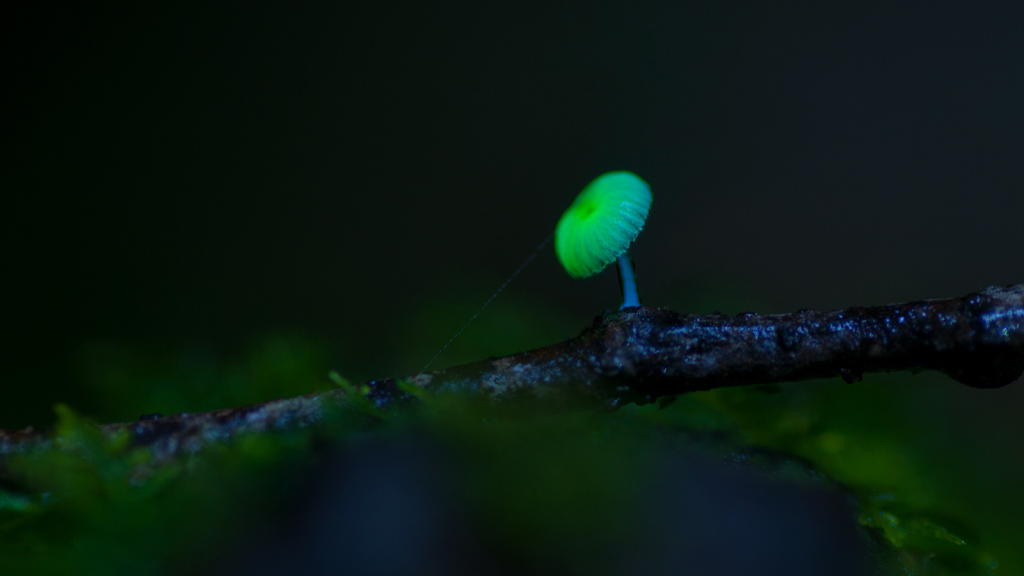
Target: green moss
[
  {"x": 864, "y": 437},
  {"x": 97, "y": 505}
]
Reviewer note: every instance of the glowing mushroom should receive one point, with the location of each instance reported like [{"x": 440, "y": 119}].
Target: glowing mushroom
[{"x": 600, "y": 226}]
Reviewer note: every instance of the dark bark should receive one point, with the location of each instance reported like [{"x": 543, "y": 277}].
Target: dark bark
[{"x": 641, "y": 354}]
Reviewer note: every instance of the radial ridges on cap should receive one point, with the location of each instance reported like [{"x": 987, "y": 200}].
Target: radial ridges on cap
[{"x": 602, "y": 223}]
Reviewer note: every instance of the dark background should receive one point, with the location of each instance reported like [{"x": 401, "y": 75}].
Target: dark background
[{"x": 365, "y": 175}]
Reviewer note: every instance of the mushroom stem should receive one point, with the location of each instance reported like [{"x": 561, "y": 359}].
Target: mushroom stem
[{"x": 627, "y": 281}]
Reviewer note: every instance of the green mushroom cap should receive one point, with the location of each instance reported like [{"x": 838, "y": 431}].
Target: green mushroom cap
[{"x": 601, "y": 224}]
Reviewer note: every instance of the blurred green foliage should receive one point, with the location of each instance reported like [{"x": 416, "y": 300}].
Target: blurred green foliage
[
  {"x": 124, "y": 382},
  {"x": 860, "y": 436}
]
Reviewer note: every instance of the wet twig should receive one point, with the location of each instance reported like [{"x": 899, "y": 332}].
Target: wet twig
[{"x": 641, "y": 354}]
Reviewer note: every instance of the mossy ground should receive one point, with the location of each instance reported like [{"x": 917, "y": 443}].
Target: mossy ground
[
  {"x": 546, "y": 489},
  {"x": 932, "y": 487}
]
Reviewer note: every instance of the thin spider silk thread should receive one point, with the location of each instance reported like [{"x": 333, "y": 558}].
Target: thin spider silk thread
[{"x": 493, "y": 296}]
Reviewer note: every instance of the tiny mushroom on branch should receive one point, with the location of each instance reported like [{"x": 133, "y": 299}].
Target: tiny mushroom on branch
[{"x": 600, "y": 226}]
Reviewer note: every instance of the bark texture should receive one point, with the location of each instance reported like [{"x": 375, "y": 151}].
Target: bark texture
[{"x": 641, "y": 354}]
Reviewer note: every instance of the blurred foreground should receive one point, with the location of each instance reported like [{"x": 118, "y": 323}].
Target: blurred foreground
[{"x": 807, "y": 478}]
